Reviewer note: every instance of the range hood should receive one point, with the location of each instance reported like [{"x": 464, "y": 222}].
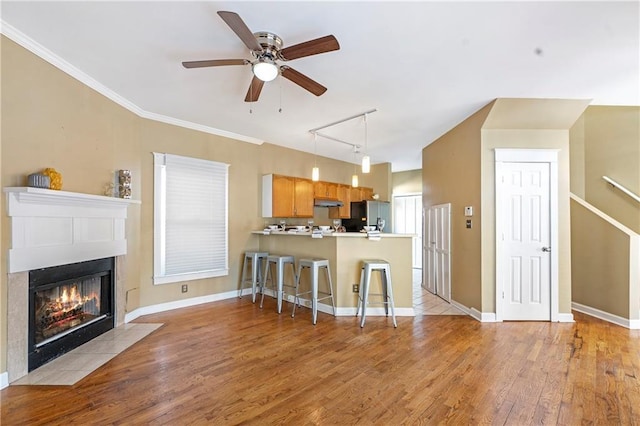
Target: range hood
[{"x": 327, "y": 202}]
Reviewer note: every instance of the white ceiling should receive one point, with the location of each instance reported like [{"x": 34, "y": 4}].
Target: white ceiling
[{"x": 425, "y": 66}]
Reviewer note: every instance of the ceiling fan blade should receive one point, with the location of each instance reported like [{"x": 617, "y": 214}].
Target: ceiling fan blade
[
  {"x": 214, "y": 63},
  {"x": 254, "y": 90},
  {"x": 302, "y": 80},
  {"x": 311, "y": 47},
  {"x": 238, "y": 26}
]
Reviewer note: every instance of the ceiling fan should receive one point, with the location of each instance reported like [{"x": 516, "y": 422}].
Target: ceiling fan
[{"x": 266, "y": 49}]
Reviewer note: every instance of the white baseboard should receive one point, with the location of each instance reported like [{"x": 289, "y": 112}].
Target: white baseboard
[
  {"x": 565, "y": 317},
  {"x": 184, "y": 303},
  {"x": 4, "y": 380},
  {"x": 461, "y": 307},
  {"x": 482, "y": 316},
  {"x": 606, "y": 316}
]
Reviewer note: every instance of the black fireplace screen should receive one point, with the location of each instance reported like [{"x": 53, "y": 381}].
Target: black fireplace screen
[{"x": 66, "y": 307}]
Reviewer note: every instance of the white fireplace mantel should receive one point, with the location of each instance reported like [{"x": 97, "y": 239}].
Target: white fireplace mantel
[{"x": 50, "y": 228}]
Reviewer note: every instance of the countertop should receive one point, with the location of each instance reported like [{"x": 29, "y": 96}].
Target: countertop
[{"x": 332, "y": 234}]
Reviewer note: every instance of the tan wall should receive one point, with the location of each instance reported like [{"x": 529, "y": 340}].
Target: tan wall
[
  {"x": 538, "y": 139},
  {"x": 451, "y": 174},
  {"x": 50, "y": 119},
  {"x": 408, "y": 182},
  {"x": 612, "y": 148},
  {"x": 600, "y": 269},
  {"x": 576, "y": 147},
  {"x": 380, "y": 179}
]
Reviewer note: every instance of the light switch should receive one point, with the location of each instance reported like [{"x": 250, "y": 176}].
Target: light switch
[{"x": 468, "y": 211}]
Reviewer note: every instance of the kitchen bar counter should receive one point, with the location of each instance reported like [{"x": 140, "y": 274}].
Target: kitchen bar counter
[{"x": 345, "y": 251}]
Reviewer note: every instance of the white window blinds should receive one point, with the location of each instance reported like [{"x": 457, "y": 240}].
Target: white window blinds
[{"x": 190, "y": 218}]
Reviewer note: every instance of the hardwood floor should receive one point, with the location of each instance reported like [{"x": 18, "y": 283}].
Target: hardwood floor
[{"x": 229, "y": 362}]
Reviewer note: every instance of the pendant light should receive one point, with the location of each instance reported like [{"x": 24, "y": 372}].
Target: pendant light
[
  {"x": 354, "y": 178},
  {"x": 315, "y": 172},
  {"x": 366, "y": 161}
]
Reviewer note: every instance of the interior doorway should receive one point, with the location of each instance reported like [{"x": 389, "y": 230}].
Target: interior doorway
[{"x": 407, "y": 219}]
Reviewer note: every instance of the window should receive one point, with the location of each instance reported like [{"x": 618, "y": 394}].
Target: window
[{"x": 190, "y": 219}]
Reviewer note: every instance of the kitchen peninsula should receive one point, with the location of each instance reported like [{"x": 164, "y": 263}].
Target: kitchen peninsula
[{"x": 345, "y": 251}]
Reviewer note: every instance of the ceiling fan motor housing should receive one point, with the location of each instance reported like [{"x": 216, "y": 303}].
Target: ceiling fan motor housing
[{"x": 270, "y": 42}]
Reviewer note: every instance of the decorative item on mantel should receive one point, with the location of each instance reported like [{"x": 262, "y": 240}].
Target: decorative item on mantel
[
  {"x": 49, "y": 178},
  {"x": 38, "y": 180},
  {"x": 124, "y": 183}
]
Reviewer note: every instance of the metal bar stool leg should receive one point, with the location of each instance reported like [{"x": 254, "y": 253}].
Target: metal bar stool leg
[
  {"x": 296, "y": 299},
  {"x": 389, "y": 293},
  {"x": 280, "y": 281},
  {"x": 333, "y": 303},
  {"x": 266, "y": 278},
  {"x": 360, "y": 293},
  {"x": 365, "y": 300},
  {"x": 314, "y": 292},
  {"x": 243, "y": 278}
]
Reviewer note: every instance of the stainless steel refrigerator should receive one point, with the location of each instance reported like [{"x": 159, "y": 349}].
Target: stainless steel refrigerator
[{"x": 367, "y": 213}]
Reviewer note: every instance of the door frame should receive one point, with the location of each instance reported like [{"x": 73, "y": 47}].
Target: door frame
[{"x": 550, "y": 156}]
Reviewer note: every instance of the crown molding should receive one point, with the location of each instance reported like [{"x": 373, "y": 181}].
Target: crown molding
[{"x": 42, "y": 52}]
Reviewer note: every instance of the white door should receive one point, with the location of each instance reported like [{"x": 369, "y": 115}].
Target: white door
[
  {"x": 407, "y": 219},
  {"x": 525, "y": 232},
  {"x": 438, "y": 257}
]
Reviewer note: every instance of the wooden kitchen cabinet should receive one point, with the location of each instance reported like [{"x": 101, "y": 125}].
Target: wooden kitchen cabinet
[
  {"x": 344, "y": 195},
  {"x": 325, "y": 189},
  {"x": 366, "y": 193},
  {"x": 361, "y": 194},
  {"x": 303, "y": 198},
  {"x": 286, "y": 196}
]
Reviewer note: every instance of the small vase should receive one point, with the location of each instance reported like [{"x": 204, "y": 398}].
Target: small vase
[{"x": 55, "y": 178}]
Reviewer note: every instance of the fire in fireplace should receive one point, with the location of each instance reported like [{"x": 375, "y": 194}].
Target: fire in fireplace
[
  {"x": 69, "y": 305},
  {"x": 66, "y": 307}
]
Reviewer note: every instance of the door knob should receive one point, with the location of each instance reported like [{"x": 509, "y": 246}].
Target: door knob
[{"x": 546, "y": 249}]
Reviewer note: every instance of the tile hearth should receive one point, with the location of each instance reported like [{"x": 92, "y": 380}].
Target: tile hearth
[{"x": 82, "y": 361}]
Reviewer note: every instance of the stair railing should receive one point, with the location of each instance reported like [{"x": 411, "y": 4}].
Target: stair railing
[{"x": 621, "y": 188}]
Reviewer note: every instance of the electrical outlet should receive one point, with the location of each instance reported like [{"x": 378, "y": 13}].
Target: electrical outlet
[
  {"x": 185, "y": 288},
  {"x": 356, "y": 288}
]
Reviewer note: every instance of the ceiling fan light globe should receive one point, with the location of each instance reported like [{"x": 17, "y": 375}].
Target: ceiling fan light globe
[{"x": 265, "y": 71}]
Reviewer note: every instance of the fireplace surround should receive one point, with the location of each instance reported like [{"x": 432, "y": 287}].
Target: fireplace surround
[{"x": 53, "y": 228}]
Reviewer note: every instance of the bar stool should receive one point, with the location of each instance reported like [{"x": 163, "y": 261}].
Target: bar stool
[
  {"x": 314, "y": 266},
  {"x": 368, "y": 267},
  {"x": 255, "y": 258},
  {"x": 279, "y": 261}
]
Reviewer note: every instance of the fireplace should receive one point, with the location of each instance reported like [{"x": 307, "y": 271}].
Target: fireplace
[
  {"x": 68, "y": 306},
  {"x": 50, "y": 229}
]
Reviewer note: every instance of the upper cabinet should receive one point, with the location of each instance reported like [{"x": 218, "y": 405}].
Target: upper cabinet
[
  {"x": 285, "y": 196},
  {"x": 325, "y": 190},
  {"x": 366, "y": 194},
  {"x": 303, "y": 198},
  {"x": 361, "y": 194},
  {"x": 344, "y": 195}
]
